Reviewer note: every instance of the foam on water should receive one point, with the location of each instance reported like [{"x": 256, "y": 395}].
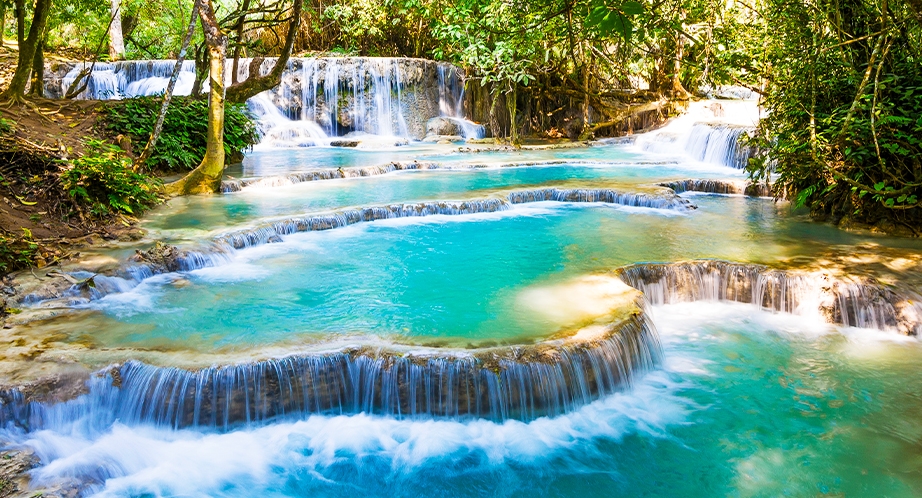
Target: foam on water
[{"x": 136, "y": 460}]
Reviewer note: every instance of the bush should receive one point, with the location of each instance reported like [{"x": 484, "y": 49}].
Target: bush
[
  {"x": 103, "y": 179},
  {"x": 17, "y": 251},
  {"x": 182, "y": 142}
]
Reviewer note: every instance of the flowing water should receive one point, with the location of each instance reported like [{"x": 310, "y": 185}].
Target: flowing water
[{"x": 393, "y": 321}]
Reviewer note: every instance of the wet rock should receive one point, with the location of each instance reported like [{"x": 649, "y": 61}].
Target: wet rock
[
  {"x": 14, "y": 467},
  {"x": 443, "y": 126},
  {"x": 344, "y": 143}
]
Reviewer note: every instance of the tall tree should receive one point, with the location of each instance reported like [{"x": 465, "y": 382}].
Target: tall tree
[
  {"x": 206, "y": 178},
  {"x": 27, "y": 47},
  {"x": 116, "y": 40}
]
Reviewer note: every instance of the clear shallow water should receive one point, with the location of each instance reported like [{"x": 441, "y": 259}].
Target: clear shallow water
[
  {"x": 748, "y": 404},
  {"x": 193, "y": 217}
]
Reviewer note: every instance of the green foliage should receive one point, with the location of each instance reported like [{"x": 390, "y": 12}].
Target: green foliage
[
  {"x": 843, "y": 130},
  {"x": 17, "y": 251},
  {"x": 7, "y": 126},
  {"x": 103, "y": 179},
  {"x": 182, "y": 142}
]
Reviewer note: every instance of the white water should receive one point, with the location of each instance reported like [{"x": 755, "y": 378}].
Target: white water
[{"x": 709, "y": 132}]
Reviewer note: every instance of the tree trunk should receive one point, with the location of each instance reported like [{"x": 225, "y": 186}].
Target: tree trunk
[
  {"x": 206, "y": 178},
  {"x": 201, "y": 69},
  {"x": 495, "y": 128},
  {"x": 116, "y": 40},
  {"x": 27, "y": 48},
  {"x": 37, "y": 85},
  {"x": 168, "y": 94},
  {"x": 20, "y": 12},
  {"x": 678, "y": 91},
  {"x": 2, "y": 21},
  {"x": 254, "y": 84},
  {"x": 512, "y": 107}
]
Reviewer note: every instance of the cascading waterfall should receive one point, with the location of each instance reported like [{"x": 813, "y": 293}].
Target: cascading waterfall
[
  {"x": 451, "y": 103},
  {"x": 853, "y": 302},
  {"x": 520, "y": 383},
  {"x": 317, "y": 97},
  {"x": 125, "y": 79},
  {"x": 711, "y": 132},
  {"x": 331, "y": 97},
  {"x": 718, "y": 144}
]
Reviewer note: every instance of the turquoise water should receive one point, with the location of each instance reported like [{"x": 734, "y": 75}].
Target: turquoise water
[
  {"x": 460, "y": 279},
  {"x": 747, "y": 403},
  {"x": 190, "y": 218}
]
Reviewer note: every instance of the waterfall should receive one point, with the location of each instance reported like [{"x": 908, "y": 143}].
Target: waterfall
[
  {"x": 521, "y": 383},
  {"x": 711, "y": 132},
  {"x": 451, "y": 105},
  {"x": 849, "y": 302},
  {"x": 718, "y": 144},
  {"x": 125, "y": 79},
  {"x": 317, "y": 97},
  {"x": 730, "y": 187}
]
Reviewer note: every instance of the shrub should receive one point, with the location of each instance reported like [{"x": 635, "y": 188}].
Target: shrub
[
  {"x": 17, "y": 251},
  {"x": 103, "y": 179},
  {"x": 181, "y": 145}
]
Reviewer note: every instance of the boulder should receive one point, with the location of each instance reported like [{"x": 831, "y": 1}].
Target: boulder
[{"x": 443, "y": 126}]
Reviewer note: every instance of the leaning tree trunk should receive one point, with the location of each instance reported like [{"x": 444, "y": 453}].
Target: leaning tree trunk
[
  {"x": 206, "y": 178},
  {"x": 27, "y": 47},
  {"x": 116, "y": 40}
]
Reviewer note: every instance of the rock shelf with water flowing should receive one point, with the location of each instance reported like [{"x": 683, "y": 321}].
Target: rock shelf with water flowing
[
  {"x": 171, "y": 259},
  {"x": 573, "y": 367}
]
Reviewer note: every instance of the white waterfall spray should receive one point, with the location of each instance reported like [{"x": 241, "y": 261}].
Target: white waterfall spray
[{"x": 710, "y": 132}]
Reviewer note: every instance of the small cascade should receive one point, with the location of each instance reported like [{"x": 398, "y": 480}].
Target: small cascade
[
  {"x": 711, "y": 132},
  {"x": 125, "y": 79},
  {"x": 521, "y": 383},
  {"x": 729, "y": 187},
  {"x": 718, "y": 144},
  {"x": 608, "y": 196},
  {"x": 854, "y": 302},
  {"x": 451, "y": 120},
  {"x": 277, "y": 129},
  {"x": 272, "y": 232}
]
